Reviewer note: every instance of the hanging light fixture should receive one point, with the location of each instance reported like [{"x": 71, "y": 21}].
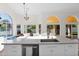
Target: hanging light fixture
[{"x": 25, "y": 12}]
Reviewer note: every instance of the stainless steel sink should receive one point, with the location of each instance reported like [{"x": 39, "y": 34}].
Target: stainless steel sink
[{"x": 49, "y": 40}]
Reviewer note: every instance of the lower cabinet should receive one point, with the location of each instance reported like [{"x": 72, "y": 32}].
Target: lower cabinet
[
  {"x": 58, "y": 50},
  {"x": 42, "y": 50},
  {"x": 71, "y": 49},
  {"x": 12, "y": 50},
  {"x": 51, "y": 50}
]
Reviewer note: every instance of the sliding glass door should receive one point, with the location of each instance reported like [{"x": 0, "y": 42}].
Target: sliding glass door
[
  {"x": 71, "y": 31},
  {"x": 53, "y": 29}
]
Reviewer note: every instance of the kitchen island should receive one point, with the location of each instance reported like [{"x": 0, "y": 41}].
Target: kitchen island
[{"x": 34, "y": 47}]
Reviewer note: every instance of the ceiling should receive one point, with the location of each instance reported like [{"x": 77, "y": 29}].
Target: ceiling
[{"x": 40, "y": 8}]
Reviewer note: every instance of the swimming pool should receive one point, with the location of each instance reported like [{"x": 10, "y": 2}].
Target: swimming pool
[{"x": 10, "y": 37}]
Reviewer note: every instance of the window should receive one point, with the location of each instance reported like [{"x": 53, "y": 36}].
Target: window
[
  {"x": 18, "y": 29},
  {"x": 71, "y": 31},
  {"x": 54, "y": 29},
  {"x": 5, "y": 25},
  {"x": 31, "y": 28}
]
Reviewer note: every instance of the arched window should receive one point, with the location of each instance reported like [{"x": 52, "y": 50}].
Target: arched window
[
  {"x": 71, "y": 19},
  {"x": 71, "y": 27},
  {"x": 5, "y": 24},
  {"x": 53, "y": 27},
  {"x": 53, "y": 19}
]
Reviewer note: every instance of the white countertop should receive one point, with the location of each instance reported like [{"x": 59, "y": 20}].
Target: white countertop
[{"x": 36, "y": 40}]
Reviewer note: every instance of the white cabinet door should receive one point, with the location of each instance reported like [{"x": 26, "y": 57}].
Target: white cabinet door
[
  {"x": 58, "y": 50},
  {"x": 44, "y": 50},
  {"x": 51, "y": 50},
  {"x": 13, "y": 50},
  {"x": 70, "y": 49}
]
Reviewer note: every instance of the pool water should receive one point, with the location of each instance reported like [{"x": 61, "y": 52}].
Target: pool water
[{"x": 9, "y": 37}]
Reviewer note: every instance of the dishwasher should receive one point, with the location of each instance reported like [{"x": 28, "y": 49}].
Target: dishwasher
[{"x": 30, "y": 50}]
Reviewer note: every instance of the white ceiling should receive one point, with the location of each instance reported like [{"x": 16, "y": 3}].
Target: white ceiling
[{"x": 38, "y": 8}]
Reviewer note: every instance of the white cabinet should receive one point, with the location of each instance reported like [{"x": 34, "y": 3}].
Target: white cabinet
[
  {"x": 58, "y": 50},
  {"x": 13, "y": 50},
  {"x": 51, "y": 50},
  {"x": 71, "y": 49}
]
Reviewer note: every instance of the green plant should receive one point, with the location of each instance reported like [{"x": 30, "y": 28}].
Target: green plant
[
  {"x": 74, "y": 25},
  {"x": 31, "y": 28}
]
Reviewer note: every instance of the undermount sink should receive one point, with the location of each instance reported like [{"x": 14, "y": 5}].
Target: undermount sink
[{"x": 49, "y": 40}]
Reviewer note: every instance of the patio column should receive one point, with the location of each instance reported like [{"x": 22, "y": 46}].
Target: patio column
[
  {"x": 62, "y": 30},
  {"x": 78, "y": 30}
]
